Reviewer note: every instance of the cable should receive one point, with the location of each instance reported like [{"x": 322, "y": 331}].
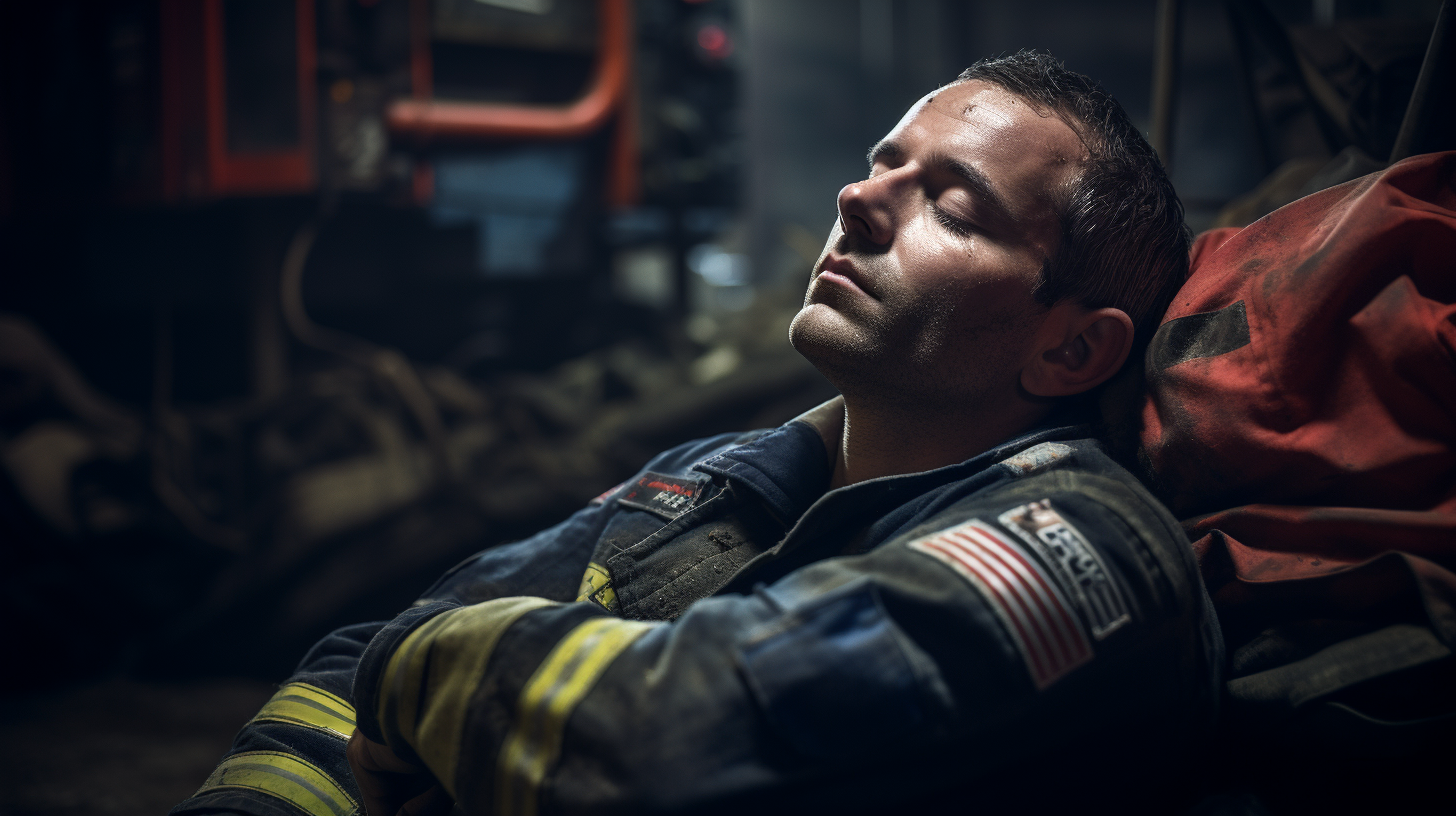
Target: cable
[{"x": 387, "y": 364}]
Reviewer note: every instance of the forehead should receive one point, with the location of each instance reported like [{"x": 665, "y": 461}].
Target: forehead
[{"x": 1031, "y": 154}]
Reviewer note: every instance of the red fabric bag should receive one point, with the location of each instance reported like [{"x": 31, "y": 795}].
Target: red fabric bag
[{"x": 1301, "y": 415}]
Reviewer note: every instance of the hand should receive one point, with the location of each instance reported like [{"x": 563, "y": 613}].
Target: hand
[{"x": 392, "y": 787}]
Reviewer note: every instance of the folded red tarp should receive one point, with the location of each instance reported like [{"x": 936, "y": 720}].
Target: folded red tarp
[{"x": 1301, "y": 414}]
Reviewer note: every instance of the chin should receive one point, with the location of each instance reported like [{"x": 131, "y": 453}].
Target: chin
[
  {"x": 832, "y": 345},
  {"x": 813, "y": 332}
]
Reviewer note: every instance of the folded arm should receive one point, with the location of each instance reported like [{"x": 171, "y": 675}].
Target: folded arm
[{"x": 965, "y": 639}]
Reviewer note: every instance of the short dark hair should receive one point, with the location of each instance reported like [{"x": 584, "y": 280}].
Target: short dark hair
[{"x": 1123, "y": 241}]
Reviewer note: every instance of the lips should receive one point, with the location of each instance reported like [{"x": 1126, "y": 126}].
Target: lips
[{"x": 838, "y": 271}]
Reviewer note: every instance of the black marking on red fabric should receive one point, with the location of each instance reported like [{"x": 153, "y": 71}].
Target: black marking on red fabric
[{"x": 1207, "y": 334}]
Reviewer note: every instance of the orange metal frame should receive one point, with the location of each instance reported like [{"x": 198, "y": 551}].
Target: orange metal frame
[
  {"x": 282, "y": 171},
  {"x": 425, "y": 119}
]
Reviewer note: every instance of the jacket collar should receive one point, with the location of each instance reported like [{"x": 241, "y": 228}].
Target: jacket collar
[{"x": 790, "y": 466}]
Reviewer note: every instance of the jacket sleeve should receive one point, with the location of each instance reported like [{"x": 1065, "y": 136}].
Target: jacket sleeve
[
  {"x": 1063, "y": 610},
  {"x": 289, "y": 759}
]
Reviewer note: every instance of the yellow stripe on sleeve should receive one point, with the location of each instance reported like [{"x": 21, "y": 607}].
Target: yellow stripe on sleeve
[
  {"x": 553, "y": 692},
  {"x": 285, "y": 777},
  {"x": 311, "y": 707},
  {"x": 429, "y": 680}
]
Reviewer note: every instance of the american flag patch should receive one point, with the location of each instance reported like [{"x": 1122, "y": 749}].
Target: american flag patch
[
  {"x": 1075, "y": 563},
  {"x": 1034, "y": 611}
]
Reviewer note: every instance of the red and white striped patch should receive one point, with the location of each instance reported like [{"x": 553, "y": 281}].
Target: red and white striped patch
[{"x": 1035, "y": 612}]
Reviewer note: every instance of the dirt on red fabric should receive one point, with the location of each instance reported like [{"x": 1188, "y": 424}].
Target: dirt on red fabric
[{"x": 1329, "y": 437}]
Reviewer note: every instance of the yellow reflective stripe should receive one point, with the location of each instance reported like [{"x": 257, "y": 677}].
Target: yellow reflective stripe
[
  {"x": 399, "y": 688},
  {"x": 596, "y": 587},
  {"x": 286, "y": 777},
  {"x": 559, "y": 684},
  {"x": 311, "y": 707},
  {"x": 444, "y": 660}
]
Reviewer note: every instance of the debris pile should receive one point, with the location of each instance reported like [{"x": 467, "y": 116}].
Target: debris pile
[{"x": 263, "y": 523}]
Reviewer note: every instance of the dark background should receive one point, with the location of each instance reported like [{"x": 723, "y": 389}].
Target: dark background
[{"x": 209, "y": 460}]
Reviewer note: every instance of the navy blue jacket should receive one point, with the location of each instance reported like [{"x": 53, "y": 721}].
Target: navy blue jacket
[{"x": 721, "y": 632}]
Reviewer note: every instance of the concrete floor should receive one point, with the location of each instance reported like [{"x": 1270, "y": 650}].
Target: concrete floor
[{"x": 117, "y": 748}]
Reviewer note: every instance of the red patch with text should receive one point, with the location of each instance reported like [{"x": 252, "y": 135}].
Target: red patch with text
[{"x": 666, "y": 496}]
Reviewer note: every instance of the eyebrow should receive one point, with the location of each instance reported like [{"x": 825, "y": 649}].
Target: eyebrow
[{"x": 970, "y": 176}]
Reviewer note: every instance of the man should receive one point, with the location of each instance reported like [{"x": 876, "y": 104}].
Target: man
[{"x": 935, "y": 580}]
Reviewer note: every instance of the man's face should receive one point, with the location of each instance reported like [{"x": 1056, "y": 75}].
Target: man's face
[{"x": 924, "y": 288}]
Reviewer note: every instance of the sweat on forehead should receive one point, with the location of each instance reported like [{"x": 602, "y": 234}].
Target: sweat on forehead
[{"x": 972, "y": 110}]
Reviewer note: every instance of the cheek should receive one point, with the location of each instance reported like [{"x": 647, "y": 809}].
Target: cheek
[
  {"x": 962, "y": 272},
  {"x": 974, "y": 309}
]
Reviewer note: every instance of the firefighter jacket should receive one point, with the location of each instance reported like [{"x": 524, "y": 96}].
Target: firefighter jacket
[{"x": 719, "y": 632}]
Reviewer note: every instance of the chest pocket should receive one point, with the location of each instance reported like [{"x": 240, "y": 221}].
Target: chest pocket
[{"x": 689, "y": 558}]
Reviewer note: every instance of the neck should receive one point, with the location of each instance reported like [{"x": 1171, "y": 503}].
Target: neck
[{"x": 881, "y": 440}]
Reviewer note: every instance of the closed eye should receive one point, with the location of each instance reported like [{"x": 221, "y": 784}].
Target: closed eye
[{"x": 950, "y": 222}]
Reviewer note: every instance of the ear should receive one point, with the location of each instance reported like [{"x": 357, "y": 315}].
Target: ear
[{"x": 1078, "y": 349}]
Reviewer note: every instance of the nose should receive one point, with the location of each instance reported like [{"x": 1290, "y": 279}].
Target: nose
[{"x": 865, "y": 211}]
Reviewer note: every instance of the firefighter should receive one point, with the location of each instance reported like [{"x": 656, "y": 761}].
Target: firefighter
[{"x": 936, "y": 586}]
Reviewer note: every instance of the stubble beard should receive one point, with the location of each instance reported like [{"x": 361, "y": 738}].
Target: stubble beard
[{"x": 869, "y": 358}]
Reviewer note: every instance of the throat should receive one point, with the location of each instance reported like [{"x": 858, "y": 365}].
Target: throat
[{"x": 878, "y": 442}]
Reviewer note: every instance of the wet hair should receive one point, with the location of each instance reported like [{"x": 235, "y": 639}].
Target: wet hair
[{"x": 1123, "y": 241}]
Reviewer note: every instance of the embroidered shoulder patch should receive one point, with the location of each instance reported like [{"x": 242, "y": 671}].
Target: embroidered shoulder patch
[
  {"x": 1036, "y": 457},
  {"x": 667, "y": 496},
  {"x": 1028, "y": 602},
  {"x": 1076, "y": 565}
]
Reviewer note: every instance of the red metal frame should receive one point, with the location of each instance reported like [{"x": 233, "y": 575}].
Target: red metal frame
[
  {"x": 282, "y": 171},
  {"x": 196, "y": 161},
  {"x": 624, "y": 178},
  {"x": 425, "y": 119}
]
